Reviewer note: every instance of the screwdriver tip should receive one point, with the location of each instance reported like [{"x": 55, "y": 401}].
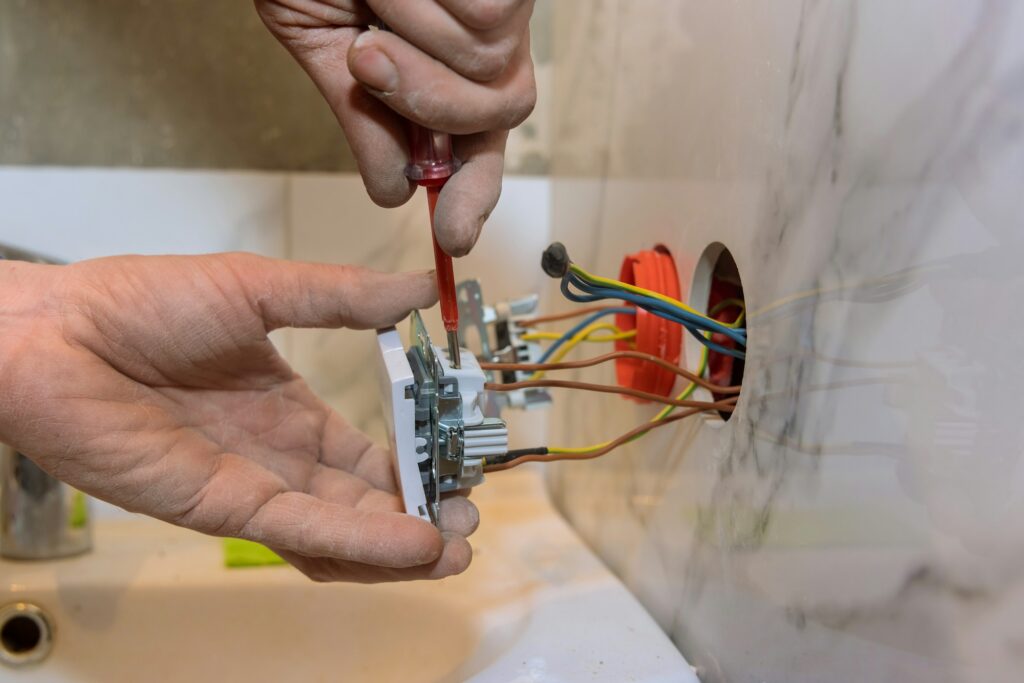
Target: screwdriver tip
[{"x": 454, "y": 358}]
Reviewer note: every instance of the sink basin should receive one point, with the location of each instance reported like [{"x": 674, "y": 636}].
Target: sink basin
[{"x": 154, "y": 602}]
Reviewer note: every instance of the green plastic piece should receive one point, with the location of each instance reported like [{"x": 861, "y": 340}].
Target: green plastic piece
[
  {"x": 78, "y": 515},
  {"x": 241, "y": 553}
]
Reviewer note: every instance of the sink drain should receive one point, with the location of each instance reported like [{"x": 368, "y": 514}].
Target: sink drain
[{"x": 25, "y": 634}]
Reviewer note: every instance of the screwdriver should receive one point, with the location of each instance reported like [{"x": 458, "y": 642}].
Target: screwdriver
[{"x": 431, "y": 164}]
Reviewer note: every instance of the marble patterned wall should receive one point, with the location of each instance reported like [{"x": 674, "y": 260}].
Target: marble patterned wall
[{"x": 861, "y": 516}]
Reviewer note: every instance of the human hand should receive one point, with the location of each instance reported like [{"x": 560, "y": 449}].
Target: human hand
[
  {"x": 149, "y": 382},
  {"x": 458, "y": 66}
]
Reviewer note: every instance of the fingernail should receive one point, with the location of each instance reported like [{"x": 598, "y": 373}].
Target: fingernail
[{"x": 371, "y": 66}]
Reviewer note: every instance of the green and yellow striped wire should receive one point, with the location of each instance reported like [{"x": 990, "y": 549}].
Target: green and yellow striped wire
[{"x": 702, "y": 367}]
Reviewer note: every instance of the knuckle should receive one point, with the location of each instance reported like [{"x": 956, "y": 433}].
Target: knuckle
[
  {"x": 488, "y": 62},
  {"x": 521, "y": 106},
  {"x": 488, "y": 14}
]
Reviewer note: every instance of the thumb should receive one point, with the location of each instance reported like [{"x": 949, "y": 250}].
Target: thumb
[
  {"x": 469, "y": 196},
  {"x": 299, "y": 523},
  {"x": 297, "y": 294}
]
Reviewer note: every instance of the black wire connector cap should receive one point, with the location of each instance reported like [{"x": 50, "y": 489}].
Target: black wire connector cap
[{"x": 555, "y": 260}]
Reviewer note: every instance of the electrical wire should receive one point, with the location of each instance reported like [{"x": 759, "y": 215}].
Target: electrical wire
[
  {"x": 561, "y": 348},
  {"x": 585, "y": 281},
  {"x": 579, "y": 327},
  {"x": 615, "y": 355},
  {"x": 582, "y": 336},
  {"x": 660, "y": 309},
  {"x": 593, "y": 293},
  {"x": 593, "y": 288},
  {"x": 617, "y": 284},
  {"x": 702, "y": 367},
  {"x": 616, "y": 334},
  {"x": 662, "y": 415},
  {"x": 599, "y": 388},
  {"x": 726, "y": 303},
  {"x": 555, "y": 317},
  {"x": 552, "y": 455}
]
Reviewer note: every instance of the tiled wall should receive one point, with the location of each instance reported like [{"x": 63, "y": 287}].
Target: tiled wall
[{"x": 860, "y": 516}]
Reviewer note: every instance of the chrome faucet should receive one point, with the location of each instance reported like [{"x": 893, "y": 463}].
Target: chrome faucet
[{"x": 41, "y": 518}]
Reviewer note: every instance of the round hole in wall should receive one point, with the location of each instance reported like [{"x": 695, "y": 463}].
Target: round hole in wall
[
  {"x": 718, "y": 292},
  {"x": 25, "y": 634}
]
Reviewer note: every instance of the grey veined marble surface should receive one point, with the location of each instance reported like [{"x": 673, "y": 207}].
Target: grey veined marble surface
[{"x": 861, "y": 517}]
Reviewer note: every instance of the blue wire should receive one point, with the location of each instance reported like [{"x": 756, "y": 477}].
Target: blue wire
[
  {"x": 696, "y": 334},
  {"x": 580, "y": 326},
  {"x": 737, "y": 334},
  {"x": 660, "y": 309},
  {"x": 702, "y": 339},
  {"x": 655, "y": 306}
]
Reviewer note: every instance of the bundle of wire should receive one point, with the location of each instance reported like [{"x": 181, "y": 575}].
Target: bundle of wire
[
  {"x": 583, "y": 331},
  {"x": 580, "y": 286}
]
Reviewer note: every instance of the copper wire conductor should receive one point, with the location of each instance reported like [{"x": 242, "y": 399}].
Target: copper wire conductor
[
  {"x": 610, "y": 446},
  {"x": 725, "y": 405},
  {"x": 597, "y": 360}
]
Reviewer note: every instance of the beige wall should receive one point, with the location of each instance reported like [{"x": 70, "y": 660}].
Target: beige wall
[{"x": 181, "y": 84}]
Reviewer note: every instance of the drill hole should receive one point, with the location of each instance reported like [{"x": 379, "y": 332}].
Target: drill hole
[{"x": 717, "y": 291}]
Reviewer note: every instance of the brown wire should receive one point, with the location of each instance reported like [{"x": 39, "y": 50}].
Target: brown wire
[
  {"x": 607, "y": 389},
  {"x": 612, "y": 445},
  {"x": 555, "y": 317},
  {"x": 597, "y": 360}
]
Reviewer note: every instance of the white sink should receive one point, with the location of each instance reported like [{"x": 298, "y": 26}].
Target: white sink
[{"x": 154, "y": 602}]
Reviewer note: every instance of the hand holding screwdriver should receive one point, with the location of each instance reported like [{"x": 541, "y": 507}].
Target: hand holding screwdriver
[
  {"x": 431, "y": 164},
  {"x": 450, "y": 65}
]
